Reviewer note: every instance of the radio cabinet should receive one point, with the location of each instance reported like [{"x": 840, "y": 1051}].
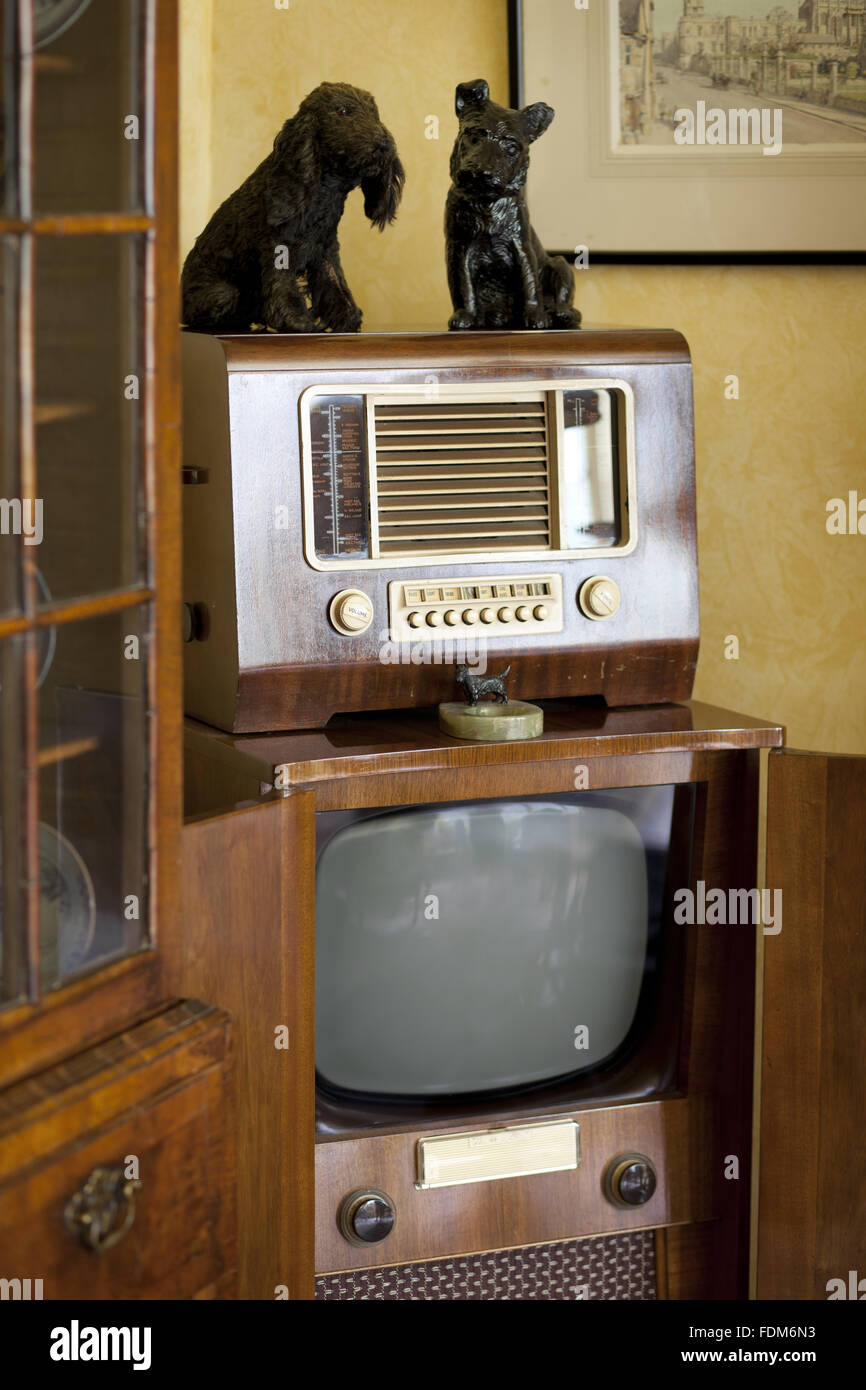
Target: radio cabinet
[{"x": 361, "y": 511}]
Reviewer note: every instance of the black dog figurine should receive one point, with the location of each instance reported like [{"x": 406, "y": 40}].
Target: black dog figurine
[
  {"x": 272, "y": 245},
  {"x": 498, "y": 272},
  {"x": 476, "y": 686}
]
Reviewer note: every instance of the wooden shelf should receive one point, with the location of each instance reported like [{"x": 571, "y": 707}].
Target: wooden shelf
[
  {"x": 75, "y": 610},
  {"x": 53, "y": 411},
  {"x": 79, "y": 224},
  {"x": 53, "y": 65},
  {"x": 59, "y": 753}
]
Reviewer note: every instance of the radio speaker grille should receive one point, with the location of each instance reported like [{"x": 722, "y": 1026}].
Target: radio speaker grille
[
  {"x": 462, "y": 476},
  {"x": 606, "y": 1268}
]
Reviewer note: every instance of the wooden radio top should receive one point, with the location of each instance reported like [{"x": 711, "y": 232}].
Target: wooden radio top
[{"x": 431, "y": 347}]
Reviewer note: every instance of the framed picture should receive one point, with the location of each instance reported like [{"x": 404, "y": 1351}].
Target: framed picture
[{"x": 716, "y": 130}]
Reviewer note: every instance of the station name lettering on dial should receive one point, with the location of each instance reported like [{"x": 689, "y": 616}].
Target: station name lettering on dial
[{"x": 339, "y": 466}]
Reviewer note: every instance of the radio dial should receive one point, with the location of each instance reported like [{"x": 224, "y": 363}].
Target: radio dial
[
  {"x": 505, "y": 615},
  {"x": 540, "y": 612},
  {"x": 630, "y": 1180},
  {"x": 523, "y": 614},
  {"x": 452, "y": 617},
  {"x": 599, "y": 597},
  {"x": 414, "y": 619},
  {"x": 488, "y": 615},
  {"x": 434, "y": 619},
  {"x": 470, "y": 616},
  {"x": 351, "y": 612},
  {"x": 366, "y": 1216}
]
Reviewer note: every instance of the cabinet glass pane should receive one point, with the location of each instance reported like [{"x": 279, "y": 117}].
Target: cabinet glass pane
[
  {"x": 16, "y": 517},
  {"x": 9, "y": 108},
  {"x": 88, "y": 86},
  {"x": 89, "y": 409},
  {"x": 13, "y": 959},
  {"x": 92, "y": 794}
]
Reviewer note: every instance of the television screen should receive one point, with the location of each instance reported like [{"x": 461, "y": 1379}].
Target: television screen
[{"x": 484, "y": 946}]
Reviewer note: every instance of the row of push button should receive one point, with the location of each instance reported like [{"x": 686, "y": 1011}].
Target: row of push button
[
  {"x": 470, "y": 616},
  {"x": 454, "y": 593}
]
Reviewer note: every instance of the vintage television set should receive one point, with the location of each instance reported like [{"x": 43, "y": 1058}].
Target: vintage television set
[{"x": 517, "y": 1066}]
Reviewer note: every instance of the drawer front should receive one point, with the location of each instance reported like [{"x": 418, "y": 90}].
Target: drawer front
[{"x": 117, "y": 1174}]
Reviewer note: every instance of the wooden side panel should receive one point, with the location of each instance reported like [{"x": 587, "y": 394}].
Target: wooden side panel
[
  {"x": 247, "y": 942},
  {"x": 719, "y": 1052},
  {"x": 812, "y": 1212},
  {"x": 164, "y": 508},
  {"x": 684, "y": 1262}
]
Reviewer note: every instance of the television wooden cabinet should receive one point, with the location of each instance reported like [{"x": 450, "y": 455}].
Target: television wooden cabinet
[{"x": 249, "y": 878}]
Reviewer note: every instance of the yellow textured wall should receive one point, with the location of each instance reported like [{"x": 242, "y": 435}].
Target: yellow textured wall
[
  {"x": 409, "y": 53},
  {"x": 794, "y": 596},
  {"x": 767, "y": 464}
]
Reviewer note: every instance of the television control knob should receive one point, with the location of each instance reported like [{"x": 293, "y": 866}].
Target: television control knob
[
  {"x": 452, "y": 617},
  {"x": 599, "y": 597},
  {"x": 488, "y": 615},
  {"x": 414, "y": 619},
  {"x": 523, "y": 614},
  {"x": 434, "y": 619},
  {"x": 505, "y": 615},
  {"x": 540, "y": 612},
  {"x": 366, "y": 1216},
  {"x": 470, "y": 616},
  {"x": 351, "y": 612},
  {"x": 630, "y": 1180}
]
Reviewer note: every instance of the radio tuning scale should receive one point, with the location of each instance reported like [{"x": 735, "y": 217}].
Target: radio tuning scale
[{"x": 339, "y": 467}]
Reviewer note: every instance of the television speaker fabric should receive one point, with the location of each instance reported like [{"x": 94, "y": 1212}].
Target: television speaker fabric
[{"x": 606, "y": 1268}]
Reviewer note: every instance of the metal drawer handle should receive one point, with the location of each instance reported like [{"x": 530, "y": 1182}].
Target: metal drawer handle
[{"x": 101, "y": 1212}]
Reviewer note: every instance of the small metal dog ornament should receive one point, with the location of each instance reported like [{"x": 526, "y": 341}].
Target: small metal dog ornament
[
  {"x": 499, "y": 274},
  {"x": 475, "y": 687},
  {"x": 269, "y": 255}
]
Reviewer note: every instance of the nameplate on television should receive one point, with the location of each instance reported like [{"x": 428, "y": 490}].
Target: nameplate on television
[{"x": 487, "y": 1154}]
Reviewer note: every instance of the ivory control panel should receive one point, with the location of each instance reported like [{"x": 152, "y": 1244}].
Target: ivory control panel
[{"x": 507, "y": 606}]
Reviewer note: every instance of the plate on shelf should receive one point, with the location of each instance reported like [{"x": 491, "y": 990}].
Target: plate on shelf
[
  {"x": 52, "y": 17},
  {"x": 67, "y": 906},
  {"x": 46, "y": 637}
]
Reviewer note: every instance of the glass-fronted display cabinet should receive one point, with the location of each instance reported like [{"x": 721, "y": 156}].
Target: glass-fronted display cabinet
[{"x": 88, "y": 591}]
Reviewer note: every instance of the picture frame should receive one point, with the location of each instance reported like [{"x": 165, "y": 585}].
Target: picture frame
[{"x": 612, "y": 180}]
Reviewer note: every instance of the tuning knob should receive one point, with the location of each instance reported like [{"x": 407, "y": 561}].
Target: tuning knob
[
  {"x": 366, "y": 1216},
  {"x": 630, "y": 1180},
  {"x": 599, "y": 597},
  {"x": 351, "y": 612}
]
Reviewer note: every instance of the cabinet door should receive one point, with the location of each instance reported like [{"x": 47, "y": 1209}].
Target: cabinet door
[
  {"x": 812, "y": 1199},
  {"x": 117, "y": 1170},
  {"x": 89, "y": 640}
]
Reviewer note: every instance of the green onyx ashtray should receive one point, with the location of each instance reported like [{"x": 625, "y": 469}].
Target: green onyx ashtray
[{"x": 493, "y": 722}]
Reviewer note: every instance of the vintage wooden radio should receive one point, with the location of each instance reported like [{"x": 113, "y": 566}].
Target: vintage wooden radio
[{"x": 363, "y": 511}]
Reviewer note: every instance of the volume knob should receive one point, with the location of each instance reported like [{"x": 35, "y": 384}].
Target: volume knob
[
  {"x": 630, "y": 1180},
  {"x": 599, "y": 597},
  {"x": 367, "y": 1216},
  {"x": 351, "y": 611}
]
